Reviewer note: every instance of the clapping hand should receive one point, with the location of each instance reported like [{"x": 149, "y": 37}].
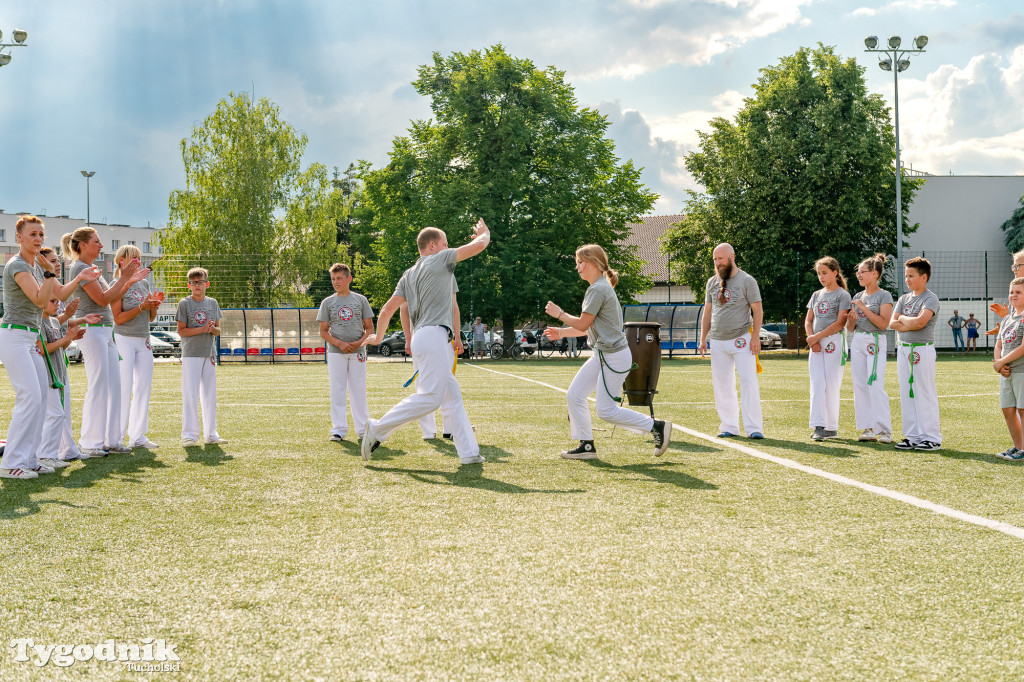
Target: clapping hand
[
  {"x": 70, "y": 308},
  {"x": 92, "y": 318},
  {"x": 91, "y": 274}
]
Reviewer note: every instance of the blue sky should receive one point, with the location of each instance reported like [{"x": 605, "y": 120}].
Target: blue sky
[{"x": 113, "y": 86}]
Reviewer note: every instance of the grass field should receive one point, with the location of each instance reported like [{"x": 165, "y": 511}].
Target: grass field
[{"x": 283, "y": 556}]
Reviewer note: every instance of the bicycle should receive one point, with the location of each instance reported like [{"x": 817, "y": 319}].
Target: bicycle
[
  {"x": 549, "y": 348},
  {"x": 515, "y": 351}
]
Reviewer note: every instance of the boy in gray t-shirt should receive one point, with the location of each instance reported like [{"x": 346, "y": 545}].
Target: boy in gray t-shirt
[
  {"x": 198, "y": 319},
  {"x": 1009, "y": 364}
]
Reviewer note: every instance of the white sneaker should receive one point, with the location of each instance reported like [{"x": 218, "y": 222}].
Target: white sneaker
[
  {"x": 429, "y": 436},
  {"x": 216, "y": 440},
  {"x": 369, "y": 438},
  {"x": 336, "y": 438},
  {"x": 18, "y": 473},
  {"x": 188, "y": 443},
  {"x": 43, "y": 469},
  {"x": 54, "y": 463},
  {"x": 72, "y": 458},
  {"x": 144, "y": 443},
  {"x": 93, "y": 452},
  {"x": 884, "y": 437},
  {"x": 119, "y": 450},
  {"x": 867, "y": 435},
  {"x": 476, "y": 459}
]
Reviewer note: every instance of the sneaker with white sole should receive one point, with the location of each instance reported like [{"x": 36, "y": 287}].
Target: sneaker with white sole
[
  {"x": 927, "y": 446},
  {"x": 367, "y": 445},
  {"x": 819, "y": 433},
  {"x": 54, "y": 463},
  {"x": 43, "y": 469},
  {"x": 884, "y": 437},
  {"x": 119, "y": 450},
  {"x": 475, "y": 459},
  {"x": 867, "y": 436},
  {"x": 18, "y": 473},
  {"x": 145, "y": 443},
  {"x": 216, "y": 440},
  {"x": 1008, "y": 453},
  {"x": 904, "y": 444},
  {"x": 585, "y": 450},
  {"x": 94, "y": 452},
  {"x": 336, "y": 438},
  {"x": 829, "y": 435},
  {"x": 662, "y": 432},
  {"x": 189, "y": 443}
]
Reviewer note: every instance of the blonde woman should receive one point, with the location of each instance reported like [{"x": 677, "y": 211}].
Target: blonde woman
[
  {"x": 601, "y": 322},
  {"x": 132, "y": 314},
  {"x": 101, "y": 413}
]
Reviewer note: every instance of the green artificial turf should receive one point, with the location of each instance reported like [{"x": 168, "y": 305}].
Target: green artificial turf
[{"x": 283, "y": 556}]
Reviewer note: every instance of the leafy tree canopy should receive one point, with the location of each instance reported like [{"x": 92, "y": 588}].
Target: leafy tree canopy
[
  {"x": 508, "y": 143},
  {"x": 805, "y": 169},
  {"x": 1014, "y": 229}
]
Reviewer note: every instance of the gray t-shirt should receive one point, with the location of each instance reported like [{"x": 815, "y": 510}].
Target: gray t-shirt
[
  {"x": 196, "y": 314},
  {"x": 733, "y": 318},
  {"x": 1011, "y": 333},
  {"x": 912, "y": 306},
  {"x": 18, "y": 307},
  {"x": 957, "y": 322},
  {"x": 52, "y": 331},
  {"x": 345, "y": 315},
  {"x": 827, "y": 306},
  {"x": 428, "y": 287},
  {"x": 138, "y": 326},
  {"x": 87, "y": 306},
  {"x": 479, "y": 332},
  {"x": 605, "y": 334},
  {"x": 874, "y": 302}
]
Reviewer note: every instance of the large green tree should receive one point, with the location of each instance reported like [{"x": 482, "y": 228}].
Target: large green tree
[
  {"x": 1014, "y": 229},
  {"x": 510, "y": 144},
  {"x": 249, "y": 212},
  {"x": 805, "y": 169}
]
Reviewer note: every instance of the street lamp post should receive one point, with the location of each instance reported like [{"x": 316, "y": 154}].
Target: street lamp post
[
  {"x": 896, "y": 60},
  {"x": 88, "y": 215},
  {"x": 19, "y": 41}
]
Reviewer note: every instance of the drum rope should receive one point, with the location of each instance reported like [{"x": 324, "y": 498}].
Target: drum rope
[{"x": 604, "y": 363}]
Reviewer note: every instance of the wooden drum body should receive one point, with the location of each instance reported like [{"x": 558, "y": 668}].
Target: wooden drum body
[{"x": 644, "y": 340}]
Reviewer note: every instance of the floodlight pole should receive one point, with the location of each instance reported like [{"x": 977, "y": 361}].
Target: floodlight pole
[
  {"x": 20, "y": 37},
  {"x": 897, "y": 61},
  {"x": 88, "y": 207}
]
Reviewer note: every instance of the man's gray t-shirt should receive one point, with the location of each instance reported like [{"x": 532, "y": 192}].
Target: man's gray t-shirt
[
  {"x": 957, "y": 322},
  {"x": 52, "y": 332},
  {"x": 345, "y": 315},
  {"x": 428, "y": 287},
  {"x": 912, "y": 306},
  {"x": 733, "y": 318},
  {"x": 874, "y": 302},
  {"x": 1011, "y": 333},
  {"x": 138, "y": 326},
  {"x": 18, "y": 307},
  {"x": 86, "y": 305},
  {"x": 479, "y": 332},
  {"x": 827, "y": 306},
  {"x": 605, "y": 333},
  {"x": 196, "y": 314}
]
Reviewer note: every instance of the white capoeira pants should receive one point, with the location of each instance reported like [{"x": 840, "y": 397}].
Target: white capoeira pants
[
  {"x": 101, "y": 413},
  {"x": 436, "y": 385},
  {"x": 730, "y": 357},
  {"x": 588, "y": 380},
  {"x": 26, "y": 369},
  {"x": 68, "y": 448},
  {"x": 198, "y": 380},
  {"x": 428, "y": 422},
  {"x": 826, "y": 370},
  {"x": 137, "y": 382},
  {"x": 347, "y": 375},
  {"x": 920, "y": 413},
  {"x": 870, "y": 402},
  {"x": 57, "y": 426}
]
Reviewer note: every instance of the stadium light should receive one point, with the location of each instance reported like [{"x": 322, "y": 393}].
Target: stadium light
[
  {"x": 88, "y": 207},
  {"x": 895, "y": 57},
  {"x": 20, "y": 37}
]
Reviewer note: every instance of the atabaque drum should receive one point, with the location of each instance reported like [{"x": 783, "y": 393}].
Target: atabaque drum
[{"x": 645, "y": 344}]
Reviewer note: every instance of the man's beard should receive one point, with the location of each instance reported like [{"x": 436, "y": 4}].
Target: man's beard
[{"x": 724, "y": 270}]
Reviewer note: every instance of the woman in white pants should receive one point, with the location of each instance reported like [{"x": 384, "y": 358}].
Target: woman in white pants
[
  {"x": 101, "y": 413},
  {"x": 29, "y": 283},
  {"x": 869, "y": 317},
  {"x": 132, "y": 314},
  {"x": 826, "y": 316},
  {"x": 605, "y": 371}
]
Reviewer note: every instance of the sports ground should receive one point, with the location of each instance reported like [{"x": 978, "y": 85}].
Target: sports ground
[{"x": 283, "y": 556}]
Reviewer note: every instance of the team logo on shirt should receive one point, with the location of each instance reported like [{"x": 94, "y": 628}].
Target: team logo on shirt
[
  {"x": 861, "y": 314},
  {"x": 136, "y": 295},
  {"x": 345, "y": 313},
  {"x": 915, "y": 358},
  {"x": 741, "y": 343},
  {"x": 200, "y": 317},
  {"x": 1010, "y": 335},
  {"x": 871, "y": 349},
  {"x": 148, "y": 347},
  {"x": 830, "y": 347},
  {"x": 361, "y": 354},
  {"x": 726, "y": 294},
  {"x": 822, "y": 308}
]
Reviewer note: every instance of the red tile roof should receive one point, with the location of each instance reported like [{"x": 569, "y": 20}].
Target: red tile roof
[{"x": 646, "y": 236}]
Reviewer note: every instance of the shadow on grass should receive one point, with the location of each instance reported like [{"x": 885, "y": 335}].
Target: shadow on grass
[
  {"x": 468, "y": 476},
  {"x": 976, "y": 456},
  {"x": 492, "y": 453},
  {"x": 659, "y": 472},
  {"x": 211, "y": 455},
  {"x": 832, "y": 448},
  {"x": 16, "y": 497}
]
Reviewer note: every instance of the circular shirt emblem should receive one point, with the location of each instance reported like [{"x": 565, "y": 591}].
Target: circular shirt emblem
[
  {"x": 861, "y": 314},
  {"x": 1010, "y": 335},
  {"x": 200, "y": 317},
  {"x": 727, "y": 294},
  {"x": 915, "y": 357},
  {"x": 148, "y": 346},
  {"x": 871, "y": 349},
  {"x": 345, "y": 313},
  {"x": 830, "y": 347},
  {"x": 649, "y": 338},
  {"x": 822, "y": 308},
  {"x": 741, "y": 343},
  {"x": 136, "y": 295}
]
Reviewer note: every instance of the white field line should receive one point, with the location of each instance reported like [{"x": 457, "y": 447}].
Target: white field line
[{"x": 940, "y": 509}]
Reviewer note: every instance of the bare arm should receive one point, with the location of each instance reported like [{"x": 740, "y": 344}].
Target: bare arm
[
  {"x": 757, "y": 312},
  {"x": 909, "y": 324},
  {"x": 40, "y": 295},
  {"x": 384, "y": 318},
  {"x": 705, "y": 329},
  {"x": 478, "y": 244}
]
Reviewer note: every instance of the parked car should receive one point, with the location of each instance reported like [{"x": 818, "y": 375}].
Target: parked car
[
  {"x": 170, "y": 337},
  {"x": 393, "y": 343},
  {"x": 73, "y": 352},
  {"x": 162, "y": 348},
  {"x": 769, "y": 339},
  {"x": 776, "y": 327}
]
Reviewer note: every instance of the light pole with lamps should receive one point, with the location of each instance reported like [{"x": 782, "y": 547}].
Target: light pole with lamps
[
  {"x": 896, "y": 60},
  {"x": 88, "y": 215},
  {"x": 19, "y": 41}
]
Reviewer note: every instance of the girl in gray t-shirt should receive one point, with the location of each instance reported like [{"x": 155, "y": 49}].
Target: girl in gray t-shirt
[
  {"x": 605, "y": 371},
  {"x": 826, "y": 315}
]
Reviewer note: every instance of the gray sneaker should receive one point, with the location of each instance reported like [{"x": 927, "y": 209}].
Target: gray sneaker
[
  {"x": 830, "y": 434},
  {"x": 819, "y": 433}
]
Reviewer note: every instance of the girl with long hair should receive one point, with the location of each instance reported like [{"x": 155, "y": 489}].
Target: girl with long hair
[
  {"x": 868, "y": 320},
  {"x": 826, "y": 316}
]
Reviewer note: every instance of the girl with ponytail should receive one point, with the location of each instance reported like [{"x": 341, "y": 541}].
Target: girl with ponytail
[
  {"x": 868, "y": 320},
  {"x": 826, "y": 316}
]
